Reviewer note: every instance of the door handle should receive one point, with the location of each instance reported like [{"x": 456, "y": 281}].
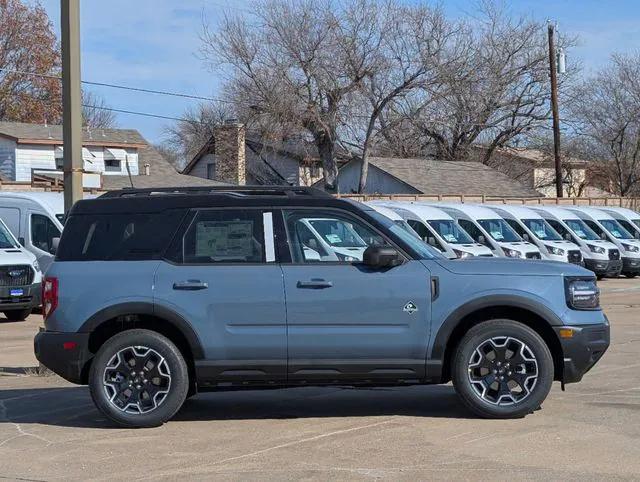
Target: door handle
[
  {"x": 315, "y": 284},
  {"x": 190, "y": 285}
]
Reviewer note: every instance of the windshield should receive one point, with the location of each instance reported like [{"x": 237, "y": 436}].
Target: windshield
[
  {"x": 615, "y": 228},
  {"x": 583, "y": 231},
  {"x": 499, "y": 230},
  {"x": 421, "y": 248},
  {"x": 7, "y": 240},
  {"x": 449, "y": 230},
  {"x": 338, "y": 234},
  {"x": 405, "y": 225},
  {"x": 636, "y": 222},
  {"x": 542, "y": 230}
]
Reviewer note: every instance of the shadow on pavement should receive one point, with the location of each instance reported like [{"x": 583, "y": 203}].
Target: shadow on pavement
[{"x": 73, "y": 407}]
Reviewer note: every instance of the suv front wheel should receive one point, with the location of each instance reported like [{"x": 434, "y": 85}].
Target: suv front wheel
[
  {"x": 139, "y": 378},
  {"x": 502, "y": 369}
]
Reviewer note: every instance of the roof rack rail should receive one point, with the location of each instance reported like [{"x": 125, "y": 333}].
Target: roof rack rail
[{"x": 290, "y": 191}]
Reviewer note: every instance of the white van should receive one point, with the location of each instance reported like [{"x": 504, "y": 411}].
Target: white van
[
  {"x": 607, "y": 227},
  {"x": 394, "y": 216},
  {"x": 487, "y": 227},
  {"x": 437, "y": 229},
  {"x": 532, "y": 227},
  {"x": 629, "y": 219},
  {"x": 600, "y": 256},
  {"x": 20, "y": 278},
  {"x": 36, "y": 219}
]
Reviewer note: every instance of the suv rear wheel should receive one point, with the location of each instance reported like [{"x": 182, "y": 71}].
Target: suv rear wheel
[
  {"x": 502, "y": 369},
  {"x": 139, "y": 378}
]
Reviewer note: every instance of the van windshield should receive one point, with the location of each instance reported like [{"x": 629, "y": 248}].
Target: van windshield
[
  {"x": 499, "y": 230},
  {"x": 449, "y": 230},
  {"x": 542, "y": 230},
  {"x": 7, "y": 241},
  {"x": 579, "y": 227},
  {"x": 337, "y": 233},
  {"x": 636, "y": 222},
  {"x": 615, "y": 228}
]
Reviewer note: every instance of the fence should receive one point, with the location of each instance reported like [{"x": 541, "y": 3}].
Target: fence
[{"x": 625, "y": 202}]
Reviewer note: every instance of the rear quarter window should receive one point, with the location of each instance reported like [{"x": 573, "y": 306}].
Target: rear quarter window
[{"x": 122, "y": 236}]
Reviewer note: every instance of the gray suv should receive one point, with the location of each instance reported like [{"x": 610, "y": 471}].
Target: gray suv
[{"x": 156, "y": 295}]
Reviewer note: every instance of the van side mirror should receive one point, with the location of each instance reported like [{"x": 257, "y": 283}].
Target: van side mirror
[
  {"x": 526, "y": 237},
  {"x": 21, "y": 241},
  {"x": 431, "y": 240},
  {"x": 482, "y": 239},
  {"x": 603, "y": 236},
  {"x": 382, "y": 257},
  {"x": 568, "y": 237},
  {"x": 54, "y": 245}
]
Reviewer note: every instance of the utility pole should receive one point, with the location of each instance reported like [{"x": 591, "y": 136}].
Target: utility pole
[
  {"x": 71, "y": 103},
  {"x": 554, "y": 109}
]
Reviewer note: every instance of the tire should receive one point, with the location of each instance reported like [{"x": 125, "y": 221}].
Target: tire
[
  {"x": 501, "y": 399},
  {"x": 17, "y": 315},
  {"x": 139, "y": 401},
  {"x": 599, "y": 277},
  {"x": 631, "y": 275}
]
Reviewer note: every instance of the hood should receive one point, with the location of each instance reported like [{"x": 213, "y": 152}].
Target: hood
[
  {"x": 512, "y": 267},
  {"x": 16, "y": 256}
]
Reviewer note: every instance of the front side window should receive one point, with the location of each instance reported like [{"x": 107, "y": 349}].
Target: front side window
[
  {"x": 595, "y": 228},
  {"x": 225, "y": 236},
  {"x": 473, "y": 231},
  {"x": 499, "y": 230},
  {"x": 542, "y": 229},
  {"x": 328, "y": 236},
  {"x": 425, "y": 234},
  {"x": 616, "y": 229},
  {"x": 42, "y": 232},
  {"x": 581, "y": 230},
  {"x": 633, "y": 230},
  {"x": 450, "y": 231}
]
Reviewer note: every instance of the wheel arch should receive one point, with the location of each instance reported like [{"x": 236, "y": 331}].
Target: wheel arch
[{"x": 530, "y": 313}]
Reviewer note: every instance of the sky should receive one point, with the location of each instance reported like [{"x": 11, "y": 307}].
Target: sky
[{"x": 154, "y": 44}]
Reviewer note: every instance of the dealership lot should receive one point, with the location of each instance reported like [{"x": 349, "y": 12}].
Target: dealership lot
[{"x": 49, "y": 429}]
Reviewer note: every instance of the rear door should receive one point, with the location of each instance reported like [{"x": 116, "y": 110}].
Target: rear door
[
  {"x": 224, "y": 280},
  {"x": 347, "y": 321}
]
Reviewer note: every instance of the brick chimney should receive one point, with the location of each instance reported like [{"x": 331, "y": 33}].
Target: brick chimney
[{"x": 230, "y": 153}]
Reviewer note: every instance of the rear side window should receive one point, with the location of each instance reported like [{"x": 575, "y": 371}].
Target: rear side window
[{"x": 124, "y": 237}]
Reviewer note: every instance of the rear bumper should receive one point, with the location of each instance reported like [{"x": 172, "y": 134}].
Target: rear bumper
[
  {"x": 604, "y": 267},
  {"x": 583, "y": 350},
  {"x": 631, "y": 265},
  {"x": 65, "y": 354},
  {"x": 28, "y": 298}
]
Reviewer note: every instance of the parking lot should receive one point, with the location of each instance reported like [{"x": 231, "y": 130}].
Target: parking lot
[{"x": 49, "y": 429}]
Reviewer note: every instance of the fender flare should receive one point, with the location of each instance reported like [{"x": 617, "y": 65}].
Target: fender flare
[
  {"x": 441, "y": 339},
  {"x": 147, "y": 308}
]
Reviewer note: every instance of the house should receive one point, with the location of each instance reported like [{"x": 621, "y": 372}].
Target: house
[
  {"x": 113, "y": 158},
  {"x": 394, "y": 175}
]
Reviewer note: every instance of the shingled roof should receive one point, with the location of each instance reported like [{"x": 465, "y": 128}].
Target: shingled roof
[
  {"x": 52, "y": 134},
  {"x": 432, "y": 176}
]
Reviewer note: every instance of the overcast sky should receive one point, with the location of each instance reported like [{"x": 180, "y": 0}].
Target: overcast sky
[{"x": 154, "y": 44}]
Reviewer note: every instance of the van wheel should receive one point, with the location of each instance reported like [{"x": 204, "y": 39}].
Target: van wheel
[
  {"x": 17, "y": 315},
  {"x": 631, "y": 275},
  {"x": 139, "y": 378},
  {"x": 502, "y": 369}
]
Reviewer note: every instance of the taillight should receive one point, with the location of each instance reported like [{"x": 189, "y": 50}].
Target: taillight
[{"x": 49, "y": 296}]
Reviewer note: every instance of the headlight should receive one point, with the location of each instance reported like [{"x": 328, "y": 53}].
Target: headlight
[
  {"x": 462, "y": 254},
  {"x": 346, "y": 257},
  {"x": 554, "y": 250},
  {"x": 582, "y": 294},
  {"x": 596, "y": 249},
  {"x": 512, "y": 253},
  {"x": 630, "y": 247},
  {"x": 36, "y": 266}
]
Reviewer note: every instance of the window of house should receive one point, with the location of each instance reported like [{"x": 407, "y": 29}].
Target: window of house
[
  {"x": 113, "y": 165},
  {"x": 42, "y": 232},
  {"x": 314, "y": 170},
  {"x": 211, "y": 170}
]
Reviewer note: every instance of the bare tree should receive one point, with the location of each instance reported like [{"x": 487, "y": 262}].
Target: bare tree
[
  {"x": 96, "y": 113},
  {"x": 607, "y": 110}
]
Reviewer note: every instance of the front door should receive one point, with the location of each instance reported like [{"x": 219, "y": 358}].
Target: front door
[
  {"x": 223, "y": 279},
  {"x": 345, "y": 320}
]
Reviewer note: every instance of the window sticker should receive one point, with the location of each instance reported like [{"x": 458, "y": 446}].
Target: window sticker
[
  {"x": 220, "y": 239},
  {"x": 450, "y": 238},
  {"x": 333, "y": 238},
  {"x": 497, "y": 235}
]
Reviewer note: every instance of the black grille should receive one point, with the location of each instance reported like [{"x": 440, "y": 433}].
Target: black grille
[
  {"x": 614, "y": 254},
  {"x": 534, "y": 256},
  {"x": 21, "y": 275},
  {"x": 574, "y": 256}
]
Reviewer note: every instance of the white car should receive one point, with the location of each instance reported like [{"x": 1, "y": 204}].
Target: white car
[
  {"x": 532, "y": 227},
  {"x": 487, "y": 227},
  {"x": 20, "y": 278},
  {"x": 437, "y": 229},
  {"x": 328, "y": 239}
]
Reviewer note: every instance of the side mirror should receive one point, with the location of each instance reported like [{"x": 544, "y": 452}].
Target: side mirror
[
  {"x": 603, "y": 236},
  {"x": 526, "y": 237},
  {"x": 54, "y": 245},
  {"x": 482, "y": 239},
  {"x": 567, "y": 237},
  {"x": 430, "y": 240},
  {"x": 382, "y": 257},
  {"x": 21, "y": 241}
]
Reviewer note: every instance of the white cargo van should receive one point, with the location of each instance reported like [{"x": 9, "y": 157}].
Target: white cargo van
[
  {"x": 600, "y": 256},
  {"x": 607, "y": 227},
  {"x": 394, "y": 216},
  {"x": 487, "y": 227},
  {"x": 437, "y": 229},
  {"x": 36, "y": 219},
  {"x": 629, "y": 219},
  {"x": 532, "y": 227}
]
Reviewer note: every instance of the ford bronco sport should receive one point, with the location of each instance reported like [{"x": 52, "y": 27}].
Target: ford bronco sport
[{"x": 158, "y": 294}]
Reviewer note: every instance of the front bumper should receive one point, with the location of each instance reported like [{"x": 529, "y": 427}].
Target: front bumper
[
  {"x": 66, "y": 354},
  {"x": 29, "y": 297},
  {"x": 604, "y": 267},
  {"x": 583, "y": 350},
  {"x": 631, "y": 265}
]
